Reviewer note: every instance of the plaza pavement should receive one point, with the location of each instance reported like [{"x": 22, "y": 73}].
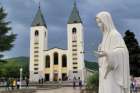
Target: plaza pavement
[{"x": 61, "y": 90}]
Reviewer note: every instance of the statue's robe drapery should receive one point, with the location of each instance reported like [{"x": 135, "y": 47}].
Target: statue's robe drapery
[{"x": 113, "y": 68}]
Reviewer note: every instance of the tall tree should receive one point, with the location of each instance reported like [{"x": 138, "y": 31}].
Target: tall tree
[
  {"x": 134, "y": 52},
  {"x": 6, "y": 37}
]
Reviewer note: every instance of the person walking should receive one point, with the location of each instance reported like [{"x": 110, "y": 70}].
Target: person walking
[{"x": 80, "y": 83}]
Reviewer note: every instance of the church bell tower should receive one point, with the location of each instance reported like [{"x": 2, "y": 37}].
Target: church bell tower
[
  {"x": 38, "y": 43},
  {"x": 75, "y": 34}
]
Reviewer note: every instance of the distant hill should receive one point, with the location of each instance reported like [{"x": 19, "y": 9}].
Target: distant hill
[
  {"x": 25, "y": 60},
  {"x": 18, "y": 59},
  {"x": 92, "y": 65},
  {"x": 11, "y": 67}
]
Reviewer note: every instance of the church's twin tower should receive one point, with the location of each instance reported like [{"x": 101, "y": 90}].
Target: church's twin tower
[{"x": 56, "y": 63}]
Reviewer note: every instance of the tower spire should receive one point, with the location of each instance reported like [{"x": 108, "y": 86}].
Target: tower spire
[
  {"x": 74, "y": 17},
  {"x": 39, "y": 18}
]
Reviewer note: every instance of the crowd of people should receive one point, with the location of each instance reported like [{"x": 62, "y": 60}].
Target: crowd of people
[{"x": 13, "y": 83}]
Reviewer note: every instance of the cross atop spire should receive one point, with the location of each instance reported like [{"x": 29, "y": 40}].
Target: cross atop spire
[
  {"x": 39, "y": 19},
  {"x": 39, "y": 4},
  {"x": 74, "y": 2},
  {"x": 74, "y": 17}
]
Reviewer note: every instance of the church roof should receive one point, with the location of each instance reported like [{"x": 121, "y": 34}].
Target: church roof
[
  {"x": 39, "y": 19},
  {"x": 74, "y": 17},
  {"x": 55, "y": 48}
]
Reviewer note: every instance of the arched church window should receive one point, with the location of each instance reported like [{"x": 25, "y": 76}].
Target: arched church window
[
  {"x": 47, "y": 65},
  {"x": 74, "y": 35},
  {"x": 64, "y": 61},
  {"x": 74, "y": 30},
  {"x": 55, "y": 58},
  {"x": 36, "y": 33}
]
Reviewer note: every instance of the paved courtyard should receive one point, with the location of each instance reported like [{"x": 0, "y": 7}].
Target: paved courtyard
[{"x": 61, "y": 90}]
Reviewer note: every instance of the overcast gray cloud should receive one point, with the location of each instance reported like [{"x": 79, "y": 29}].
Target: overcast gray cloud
[{"x": 125, "y": 14}]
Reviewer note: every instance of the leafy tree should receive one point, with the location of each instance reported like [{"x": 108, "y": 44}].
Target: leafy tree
[
  {"x": 6, "y": 38},
  {"x": 11, "y": 69},
  {"x": 134, "y": 52},
  {"x": 12, "y": 66},
  {"x": 93, "y": 82}
]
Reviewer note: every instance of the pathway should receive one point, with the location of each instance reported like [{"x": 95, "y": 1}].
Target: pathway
[{"x": 61, "y": 90}]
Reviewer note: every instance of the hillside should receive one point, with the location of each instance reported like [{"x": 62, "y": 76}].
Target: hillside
[
  {"x": 18, "y": 59},
  {"x": 91, "y": 65},
  {"x": 11, "y": 67}
]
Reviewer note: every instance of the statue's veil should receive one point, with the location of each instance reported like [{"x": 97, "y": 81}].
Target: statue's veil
[{"x": 106, "y": 19}]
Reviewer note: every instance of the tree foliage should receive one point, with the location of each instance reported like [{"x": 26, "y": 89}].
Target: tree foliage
[
  {"x": 12, "y": 66},
  {"x": 134, "y": 52},
  {"x": 93, "y": 82},
  {"x": 6, "y": 36}
]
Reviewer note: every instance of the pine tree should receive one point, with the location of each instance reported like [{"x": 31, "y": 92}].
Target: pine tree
[
  {"x": 6, "y": 37},
  {"x": 134, "y": 52}
]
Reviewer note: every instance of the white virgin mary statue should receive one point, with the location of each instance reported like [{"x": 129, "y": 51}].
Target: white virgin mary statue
[{"x": 113, "y": 58}]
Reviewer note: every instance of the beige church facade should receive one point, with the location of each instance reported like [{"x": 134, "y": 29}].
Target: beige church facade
[{"x": 56, "y": 63}]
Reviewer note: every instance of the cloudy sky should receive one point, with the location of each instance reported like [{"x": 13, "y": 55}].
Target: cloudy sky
[{"x": 125, "y": 13}]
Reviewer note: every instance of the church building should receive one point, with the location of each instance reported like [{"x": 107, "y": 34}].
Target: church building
[{"x": 56, "y": 63}]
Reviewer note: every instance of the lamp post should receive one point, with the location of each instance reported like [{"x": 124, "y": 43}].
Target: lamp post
[{"x": 20, "y": 76}]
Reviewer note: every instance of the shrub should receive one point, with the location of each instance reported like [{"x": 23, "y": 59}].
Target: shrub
[{"x": 93, "y": 82}]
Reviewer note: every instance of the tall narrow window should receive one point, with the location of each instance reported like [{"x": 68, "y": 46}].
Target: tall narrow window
[
  {"x": 74, "y": 34},
  {"x": 45, "y": 34},
  {"x": 74, "y": 30},
  {"x": 55, "y": 58},
  {"x": 64, "y": 61},
  {"x": 47, "y": 65},
  {"x": 36, "y": 33}
]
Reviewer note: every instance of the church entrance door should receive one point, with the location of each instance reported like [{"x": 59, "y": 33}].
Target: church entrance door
[
  {"x": 47, "y": 77},
  {"x": 55, "y": 77}
]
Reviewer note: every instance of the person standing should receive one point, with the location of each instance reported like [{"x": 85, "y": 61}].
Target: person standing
[
  {"x": 135, "y": 86},
  {"x": 60, "y": 82},
  {"x": 132, "y": 85},
  {"x": 18, "y": 84},
  {"x": 14, "y": 84},
  {"x": 42, "y": 81},
  {"x": 80, "y": 83},
  {"x": 74, "y": 82},
  {"x": 113, "y": 58},
  {"x": 27, "y": 82},
  {"x": 7, "y": 84}
]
